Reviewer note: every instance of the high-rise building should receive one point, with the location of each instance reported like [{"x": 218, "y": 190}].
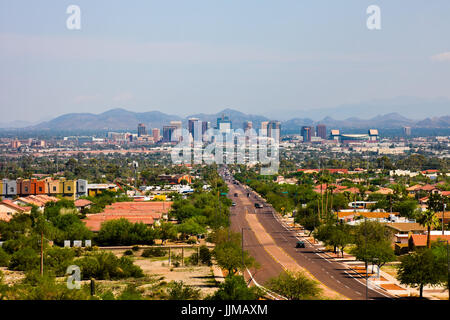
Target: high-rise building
[
  {"x": 155, "y": 134},
  {"x": 307, "y": 132},
  {"x": 177, "y": 135},
  {"x": 194, "y": 128},
  {"x": 205, "y": 126},
  {"x": 168, "y": 134},
  {"x": 248, "y": 125},
  {"x": 142, "y": 130},
  {"x": 407, "y": 131},
  {"x": 321, "y": 131},
  {"x": 263, "y": 130},
  {"x": 273, "y": 129},
  {"x": 224, "y": 124}
]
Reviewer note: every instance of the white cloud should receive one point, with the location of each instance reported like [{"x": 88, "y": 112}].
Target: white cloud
[{"x": 445, "y": 56}]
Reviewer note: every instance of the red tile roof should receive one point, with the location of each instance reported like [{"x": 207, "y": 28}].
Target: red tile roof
[
  {"x": 14, "y": 206},
  {"x": 145, "y": 212},
  {"x": 420, "y": 240},
  {"x": 82, "y": 202}
]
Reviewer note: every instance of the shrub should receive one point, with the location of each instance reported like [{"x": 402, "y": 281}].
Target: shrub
[
  {"x": 105, "y": 266},
  {"x": 130, "y": 293},
  {"x": 128, "y": 253},
  {"x": 58, "y": 259},
  {"x": 4, "y": 258},
  {"x": 205, "y": 255},
  {"x": 24, "y": 260},
  {"x": 193, "y": 259},
  {"x": 154, "y": 252},
  {"x": 178, "y": 291},
  {"x": 135, "y": 248}
]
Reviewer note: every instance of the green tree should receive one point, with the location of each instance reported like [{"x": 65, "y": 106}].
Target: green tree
[
  {"x": 179, "y": 291},
  {"x": 419, "y": 268},
  {"x": 373, "y": 243},
  {"x": 295, "y": 286},
  {"x": 235, "y": 288},
  {"x": 429, "y": 220}
]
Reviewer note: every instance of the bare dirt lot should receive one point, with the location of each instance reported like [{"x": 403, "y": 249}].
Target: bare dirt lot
[{"x": 198, "y": 276}]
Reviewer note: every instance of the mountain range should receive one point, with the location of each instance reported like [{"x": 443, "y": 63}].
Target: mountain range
[{"x": 121, "y": 119}]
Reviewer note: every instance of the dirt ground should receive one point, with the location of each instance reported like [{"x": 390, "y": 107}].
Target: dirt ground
[{"x": 200, "y": 277}]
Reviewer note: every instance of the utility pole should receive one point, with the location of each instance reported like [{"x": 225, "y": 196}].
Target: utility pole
[{"x": 443, "y": 214}]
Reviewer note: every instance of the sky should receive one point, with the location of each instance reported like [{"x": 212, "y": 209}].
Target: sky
[{"x": 201, "y": 56}]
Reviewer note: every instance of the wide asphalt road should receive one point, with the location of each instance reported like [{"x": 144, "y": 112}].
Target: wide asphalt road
[{"x": 334, "y": 275}]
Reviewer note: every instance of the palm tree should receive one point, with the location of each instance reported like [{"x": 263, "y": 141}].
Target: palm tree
[{"x": 428, "y": 219}]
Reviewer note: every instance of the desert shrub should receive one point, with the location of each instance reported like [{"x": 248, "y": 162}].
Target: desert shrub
[
  {"x": 205, "y": 255},
  {"x": 58, "y": 259},
  {"x": 24, "y": 260},
  {"x": 154, "y": 252},
  {"x": 193, "y": 259},
  {"x": 128, "y": 253},
  {"x": 105, "y": 265},
  {"x": 4, "y": 258},
  {"x": 130, "y": 293},
  {"x": 179, "y": 291},
  {"x": 135, "y": 248}
]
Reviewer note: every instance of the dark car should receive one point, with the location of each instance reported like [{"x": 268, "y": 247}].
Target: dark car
[
  {"x": 300, "y": 244},
  {"x": 235, "y": 194}
]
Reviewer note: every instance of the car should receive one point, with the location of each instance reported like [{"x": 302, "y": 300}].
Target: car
[
  {"x": 233, "y": 204},
  {"x": 235, "y": 194},
  {"x": 258, "y": 205},
  {"x": 300, "y": 244}
]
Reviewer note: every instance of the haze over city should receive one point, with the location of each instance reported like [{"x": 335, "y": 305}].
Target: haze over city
[{"x": 193, "y": 57}]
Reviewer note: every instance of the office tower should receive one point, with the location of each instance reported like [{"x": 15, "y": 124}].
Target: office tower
[
  {"x": 407, "y": 131},
  {"x": 307, "y": 133},
  {"x": 142, "y": 131},
  {"x": 168, "y": 133},
  {"x": 247, "y": 125},
  {"x": 176, "y": 136},
  {"x": 263, "y": 131},
  {"x": 205, "y": 126},
  {"x": 194, "y": 128},
  {"x": 155, "y": 134},
  {"x": 321, "y": 131},
  {"x": 224, "y": 124},
  {"x": 273, "y": 129}
]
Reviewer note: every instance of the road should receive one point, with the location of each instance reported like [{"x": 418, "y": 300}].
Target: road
[{"x": 336, "y": 276}]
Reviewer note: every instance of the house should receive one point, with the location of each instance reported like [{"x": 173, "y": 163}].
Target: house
[
  {"x": 94, "y": 189},
  {"x": 351, "y": 215},
  {"x": 35, "y": 200},
  {"x": 147, "y": 212},
  {"x": 420, "y": 240},
  {"x": 175, "y": 178},
  {"x": 81, "y": 204},
  {"x": 8, "y": 209},
  {"x": 406, "y": 227}
]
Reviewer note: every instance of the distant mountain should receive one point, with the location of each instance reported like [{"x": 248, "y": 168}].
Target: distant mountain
[
  {"x": 115, "y": 119},
  {"x": 413, "y": 107},
  {"x": 121, "y": 119}
]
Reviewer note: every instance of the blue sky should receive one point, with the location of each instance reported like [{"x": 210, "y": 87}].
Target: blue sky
[{"x": 185, "y": 57}]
